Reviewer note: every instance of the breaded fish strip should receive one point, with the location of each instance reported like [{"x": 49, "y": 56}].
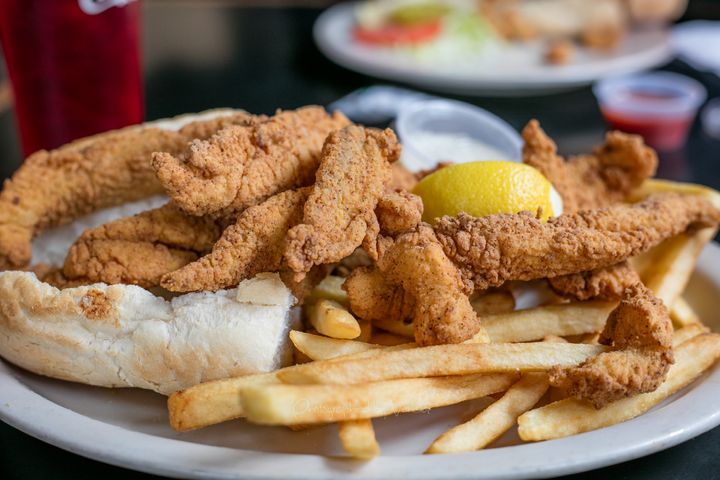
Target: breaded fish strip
[
  {"x": 254, "y": 243},
  {"x": 594, "y": 181},
  {"x": 640, "y": 331},
  {"x": 241, "y": 166},
  {"x": 603, "y": 283},
  {"x": 55, "y": 187},
  {"x": 497, "y": 248},
  {"x": 339, "y": 214},
  {"x": 140, "y": 249},
  {"x": 416, "y": 262}
]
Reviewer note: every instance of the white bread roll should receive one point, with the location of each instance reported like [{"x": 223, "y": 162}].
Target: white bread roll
[{"x": 124, "y": 336}]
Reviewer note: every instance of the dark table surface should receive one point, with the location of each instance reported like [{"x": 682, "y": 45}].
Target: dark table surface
[{"x": 216, "y": 55}]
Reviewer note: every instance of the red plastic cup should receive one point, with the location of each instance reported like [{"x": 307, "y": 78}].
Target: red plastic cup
[{"x": 74, "y": 66}]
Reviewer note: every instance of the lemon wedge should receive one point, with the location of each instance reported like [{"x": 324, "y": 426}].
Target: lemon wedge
[{"x": 486, "y": 188}]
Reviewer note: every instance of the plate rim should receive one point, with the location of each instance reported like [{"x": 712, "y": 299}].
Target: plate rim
[
  {"x": 682, "y": 419},
  {"x": 499, "y": 86}
]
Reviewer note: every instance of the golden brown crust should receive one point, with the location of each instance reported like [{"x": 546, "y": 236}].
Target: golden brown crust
[
  {"x": 138, "y": 250},
  {"x": 607, "y": 283},
  {"x": 398, "y": 212},
  {"x": 339, "y": 214},
  {"x": 640, "y": 330},
  {"x": 497, "y": 248},
  {"x": 416, "y": 262},
  {"x": 372, "y": 298},
  {"x": 241, "y": 166},
  {"x": 254, "y": 243},
  {"x": 97, "y": 172},
  {"x": 204, "y": 129}
]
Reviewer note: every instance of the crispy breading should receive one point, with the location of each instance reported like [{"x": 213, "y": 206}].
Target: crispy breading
[
  {"x": 372, "y": 298},
  {"x": 497, "y": 248},
  {"x": 415, "y": 261},
  {"x": 588, "y": 182},
  {"x": 397, "y": 212},
  {"x": 140, "y": 249},
  {"x": 54, "y": 187},
  {"x": 339, "y": 214},
  {"x": 241, "y": 166},
  {"x": 204, "y": 129},
  {"x": 254, "y": 243},
  {"x": 640, "y": 331},
  {"x": 607, "y": 283}
]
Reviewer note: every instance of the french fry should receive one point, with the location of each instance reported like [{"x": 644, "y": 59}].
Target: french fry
[
  {"x": 493, "y": 303},
  {"x": 358, "y": 438},
  {"x": 441, "y": 360},
  {"x": 330, "y": 288},
  {"x": 535, "y": 323},
  {"x": 218, "y": 401},
  {"x": 689, "y": 332},
  {"x": 332, "y": 319},
  {"x": 572, "y": 416},
  {"x": 398, "y": 327},
  {"x": 655, "y": 185},
  {"x": 291, "y": 404},
  {"x": 682, "y": 313},
  {"x": 211, "y": 402},
  {"x": 323, "y": 348},
  {"x": 496, "y": 419},
  {"x": 676, "y": 259}
]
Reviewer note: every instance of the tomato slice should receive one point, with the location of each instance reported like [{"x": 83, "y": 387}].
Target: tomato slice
[{"x": 394, "y": 34}]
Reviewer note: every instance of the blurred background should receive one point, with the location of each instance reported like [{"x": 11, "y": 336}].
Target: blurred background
[{"x": 261, "y": 55}]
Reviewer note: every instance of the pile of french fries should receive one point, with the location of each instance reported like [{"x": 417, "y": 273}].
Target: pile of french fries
[{"x": 350, "y": 372}]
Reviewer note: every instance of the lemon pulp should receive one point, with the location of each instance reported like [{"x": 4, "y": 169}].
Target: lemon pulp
[{"x": 485, "y": 188}]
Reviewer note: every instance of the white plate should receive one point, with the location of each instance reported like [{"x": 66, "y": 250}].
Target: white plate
[
  {"x": 129, "y": 428},
  {"x": 512, "y": 70}
]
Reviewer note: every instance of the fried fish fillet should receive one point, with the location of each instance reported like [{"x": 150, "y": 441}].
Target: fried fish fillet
[
  {"x": 339, "y": 214},
  {"x": 140, "y": 249},
  {"x": 589, "y": 182},
  {"x": 416, "y": 262},
  {"x": 594, "y": 181},
  {"x": 607, "y": 283},
  {"x": 241, "y": 166},
  {"x": 254, "y": 243},
  {"x": 55, "y": 187},
  {"x": 640, "y": 332},
  {"x": 498, "y": 248}
]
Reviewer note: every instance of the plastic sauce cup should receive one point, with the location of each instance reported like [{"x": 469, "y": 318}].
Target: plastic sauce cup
[{"x": 660, "y": 106}]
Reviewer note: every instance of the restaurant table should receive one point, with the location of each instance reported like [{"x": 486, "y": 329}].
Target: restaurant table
[{"x": 217, "y": 54}]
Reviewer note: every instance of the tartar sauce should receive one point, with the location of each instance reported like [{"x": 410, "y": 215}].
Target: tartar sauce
[{"x": 430, "y": 148}]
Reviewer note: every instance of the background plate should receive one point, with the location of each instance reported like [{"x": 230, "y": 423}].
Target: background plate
[{"x": 512, "y": 70}]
